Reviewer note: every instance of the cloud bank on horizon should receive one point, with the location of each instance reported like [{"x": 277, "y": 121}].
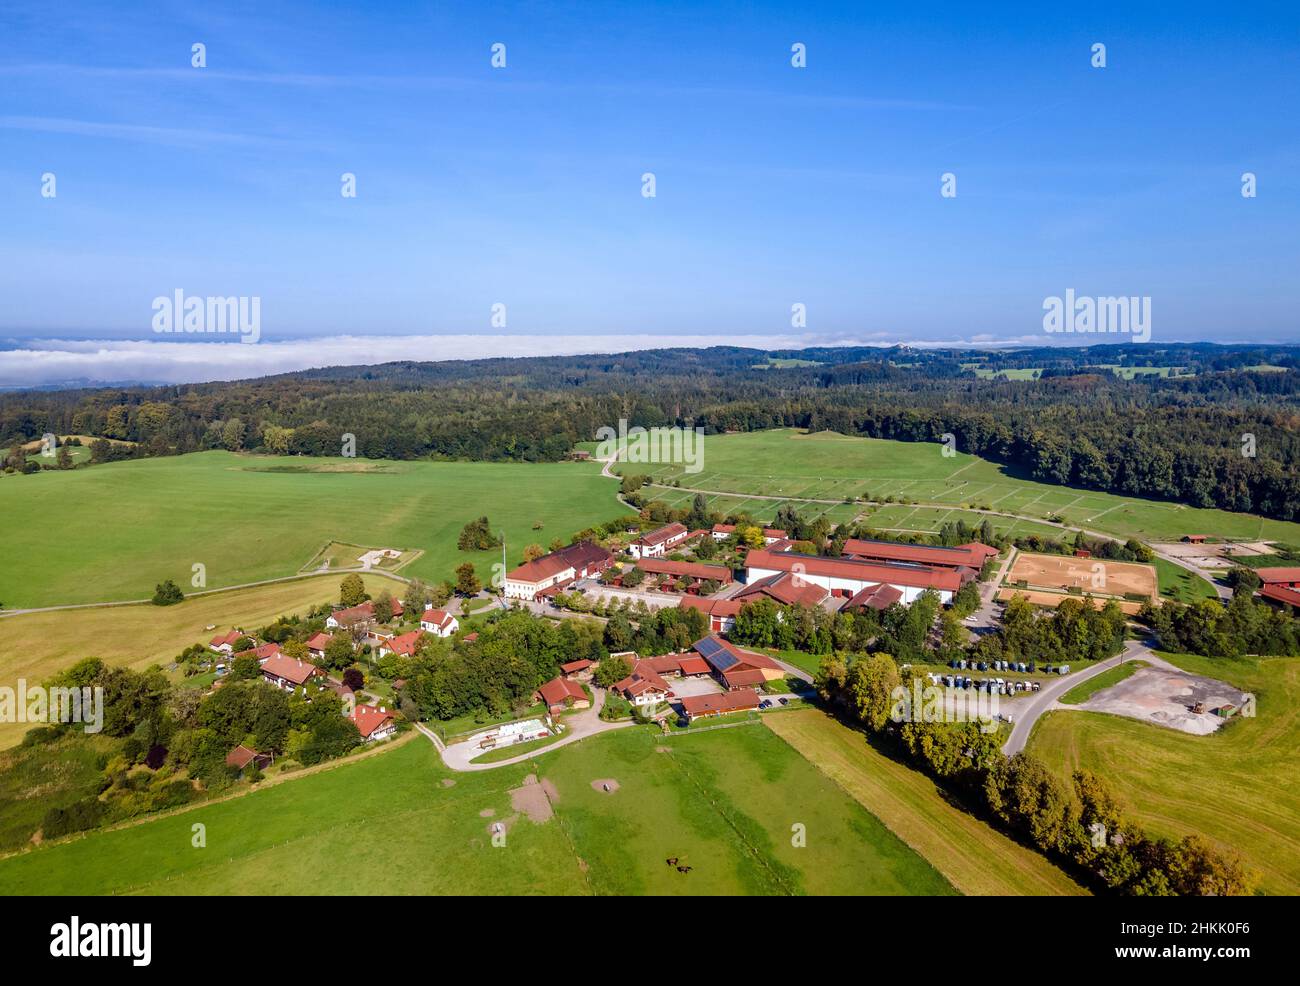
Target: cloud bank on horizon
[{"x": 57, "y": 362}]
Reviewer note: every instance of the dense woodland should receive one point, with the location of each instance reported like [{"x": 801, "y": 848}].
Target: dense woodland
[{"x": 1180, "y": 437}]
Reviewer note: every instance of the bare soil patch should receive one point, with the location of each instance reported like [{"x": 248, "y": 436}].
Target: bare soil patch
[
  {"x": 605, "y": 784},
  {"x": 531, "y": 799}
]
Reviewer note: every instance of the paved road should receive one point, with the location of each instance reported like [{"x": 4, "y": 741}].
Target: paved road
[
  {"x": 579, "y": 726},
  {"x": 1047, "y": 699}
]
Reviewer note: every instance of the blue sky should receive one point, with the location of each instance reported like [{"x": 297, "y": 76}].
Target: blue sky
[{"x": 775, "y": 185}]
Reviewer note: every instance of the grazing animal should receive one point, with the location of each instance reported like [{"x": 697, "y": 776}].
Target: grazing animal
[
  {"x": 671, "y": 860},
  {"x": 684, "y": 869}
]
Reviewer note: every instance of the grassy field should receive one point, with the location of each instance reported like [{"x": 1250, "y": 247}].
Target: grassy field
[
  {"x": 973, "y": 856},
  {"x": 113, "y": 531},
  {"x": 788, "y": 464},
  {"x": 1178, "y": 583},
  {"x": 1082, "y": 692},
  {"x": 703, "y": 798},
  {"x": 1236, "y": 786},
  {"x": 35, "y": 645}
]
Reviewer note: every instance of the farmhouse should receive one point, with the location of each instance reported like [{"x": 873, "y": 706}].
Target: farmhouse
[
  {"x": 288, "y": 673},
  {"x": 363, "y": 615},
  {"x": 785, "y": 589},
  {"x": 316, "y": 645},
  {"x": 225, "y": 643},
  {"x": 721, "y": 612},
  {"x": 560, "y": 694},
  {"x": 694, "y": 573},
  {"x": 439, "y": 622},
  {"x": 403, "y": 645},
  {"x": 644, "y": 687},
  {"x": 1281, "y": 585},
  {"x": 847, "y": 577},
  {"x": 263, "y": 652},
  {"x": 653, "y": 544},
  {"x": 373, "y": 723},
  {"x": 734, "y": 666},
  {"x": 552, "y": 572},
  {"x": 970, "y": 556},
  {"x": 702, "y": 706}
]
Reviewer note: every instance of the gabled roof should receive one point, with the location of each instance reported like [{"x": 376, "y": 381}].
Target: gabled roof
[
  {"x": 643, "y": 678},
  {"x": 240, "y": 757},
  {"x": 319, "y": 642},
  {"x": 290, "y": 669},
  {"x": 661, "y": 534},
  {"x": 369, "y": 719},
  {"x": 573, "y": 666},
  {"x": 971, "y": 555},
  {"x": 438, "y": 617},
  {"x": 226, "y": 639},
  {"x": 916, "y": 576},
  {"x": 713, "y": 607},
  {"x": 723, "y": 655},
  {"x": 363, "y": 612},
  {"x": 262, "y": 652},
  {"x": 744, "y": 698},
  {"x": 691, "y": 569},
  {"x": 786, "y": 588},
  {"x": 575, "y": 556},
  {"x": 1272, "y": 575},
  {"x": 558, "y": 691},
  {"x": 1281, "y": 594},
  {"x": 875, "y": 597},
  {"x": 404, "y": 643}
]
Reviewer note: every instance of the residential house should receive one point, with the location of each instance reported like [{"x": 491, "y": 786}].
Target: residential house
[
  {"x": 439, "y": 622},
  {"x": 551, "y": 573},
  {"x": 289, "y": 673},
  {"x": 225, "y": 643},
  {"x": 561, "y": 694},
  {"x": 374, "y": 723},
  {"x": 362, "y": 615},
  {"x": 656, "y": 543}
]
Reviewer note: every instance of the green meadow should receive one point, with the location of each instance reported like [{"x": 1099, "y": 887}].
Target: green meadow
[
  {"x": 1236, "y": 786},
  {"x": 794, "y": 466},
  {"x": 401, "y": 823},
  {"x": 112, "y": 531}
]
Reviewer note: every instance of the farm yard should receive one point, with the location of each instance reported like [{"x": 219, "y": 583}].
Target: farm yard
[
  {"x": 786, "y": 464},
  {"x": 36, "y": 645},
  {"x": 1235, "y": 786},
  {"x": 125, "y": 526},
  {"x": 704, "y": 798}
]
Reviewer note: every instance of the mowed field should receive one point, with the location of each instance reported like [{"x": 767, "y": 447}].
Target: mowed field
[
  {"x": 34, "y": 646},
  {"x": 973, "y": 856},
  {"x": 113, "y": 531},
  {"x": 787, "y": 463},
  {"x": 413, "y": 827},
  {"x": 1236, "y": 786}
]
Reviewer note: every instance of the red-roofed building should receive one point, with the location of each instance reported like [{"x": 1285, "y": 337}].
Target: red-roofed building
[
  {"x": 225, "y": 643},
  {"x": 847, "y": 577},
  {"x": 694, "y": 572},
  {"x": 403, "y": 645},
  {"x": 970, "y": 556},
  {"x": 1288, "y": 578},
  {"x": 373, "y": 722},
  {"x": 770, "y": 534},
  {"x": 656, "y": 543},
  {"x": 576, "y": 667},
  {"x": 289, "y": 673},
  {"x": 734, "y": 666},
  {"x": 316, "y": 645},
  {"x": 721, "y": 612},
  {"x": 644, "y": 687},
  {"x": 702, "y": 706},
  {"x": 263, "y": 652},
  {"x": 561, "y": 694},
  {"x": 241, "y": 756},
  {"x": 877, "y": 597},
  {"x": 439, "y": 622},
  {"x": 363, "y": 615},
  {"x": 1281, "y": 594},
  {"x": 785, "y": 589},
  {"x": 552, "y": 572}
]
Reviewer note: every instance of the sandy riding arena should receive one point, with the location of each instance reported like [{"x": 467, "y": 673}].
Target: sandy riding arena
[{"x": 1093, "y": 575}]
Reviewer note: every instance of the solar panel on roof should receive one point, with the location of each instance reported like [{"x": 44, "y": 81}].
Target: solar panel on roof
[{"x": 717, "y": 655}]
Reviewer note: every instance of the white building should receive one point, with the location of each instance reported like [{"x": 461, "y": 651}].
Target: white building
[{"x": 439, "y": 622}]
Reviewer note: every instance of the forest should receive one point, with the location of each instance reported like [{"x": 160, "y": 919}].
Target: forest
[{"x": 1220, "y": 432}]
